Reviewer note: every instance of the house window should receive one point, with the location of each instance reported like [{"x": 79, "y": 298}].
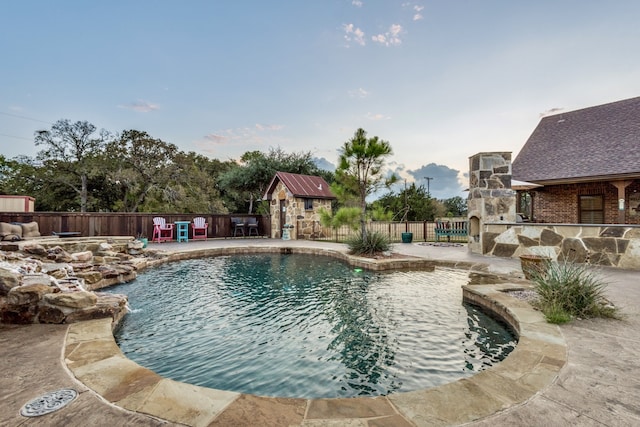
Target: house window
[
  {"x": 308, "y": 204},
  {"x": 591, "y": 209},
  {"x": 525, "y": 206}
]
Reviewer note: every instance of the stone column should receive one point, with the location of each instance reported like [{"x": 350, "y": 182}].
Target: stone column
[{"x": 491, "y": 199}]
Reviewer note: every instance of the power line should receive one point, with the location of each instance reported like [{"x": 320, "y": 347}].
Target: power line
[
  {"x": 16, "y": 137},
  {"x": 24, "y": 118}
]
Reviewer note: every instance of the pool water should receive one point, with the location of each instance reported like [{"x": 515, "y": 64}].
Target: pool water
[{"x": 306, "y": 326}]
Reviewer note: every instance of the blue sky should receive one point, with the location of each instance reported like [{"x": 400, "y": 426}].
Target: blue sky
[{"x": 440, "y": 80}]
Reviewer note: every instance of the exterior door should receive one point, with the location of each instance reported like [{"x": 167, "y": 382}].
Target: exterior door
[{"x": 282, "y": 216}]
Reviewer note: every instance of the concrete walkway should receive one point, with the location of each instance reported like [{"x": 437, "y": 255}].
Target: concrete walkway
[{"x": 598, "y": 386}]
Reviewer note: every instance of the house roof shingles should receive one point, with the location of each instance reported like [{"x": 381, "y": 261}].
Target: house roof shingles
[
  {"x": 596, "y": 142},
  {"x": 303, "y": 186}
]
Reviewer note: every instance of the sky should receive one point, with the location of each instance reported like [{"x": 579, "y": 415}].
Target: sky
[{"x": 439, "y": 80}]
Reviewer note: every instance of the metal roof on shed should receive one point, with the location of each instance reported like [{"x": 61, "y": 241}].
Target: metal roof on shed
[{"x": 302, "y": 186}]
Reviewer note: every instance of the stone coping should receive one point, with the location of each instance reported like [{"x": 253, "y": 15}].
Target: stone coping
[{"x": 95, "y": 359}]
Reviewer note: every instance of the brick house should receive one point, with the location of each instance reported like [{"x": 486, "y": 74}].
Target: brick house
[
  {"x": 587, "y": 165},
  {"x": 295, "y": 200}
]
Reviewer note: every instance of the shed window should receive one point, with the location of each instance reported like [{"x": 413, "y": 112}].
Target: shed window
[
  {"x": 591, "y": 209},
  {"x": 308, "y": 204}
]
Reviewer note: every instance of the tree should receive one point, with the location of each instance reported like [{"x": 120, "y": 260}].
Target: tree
[
  {"x": 142, "y": 166},
  {"x": 71, "y": 148},
  {"x": 456, "y": 205},
  {"x": 413, "y": 203},
  {"x": 361, "y": 170}
]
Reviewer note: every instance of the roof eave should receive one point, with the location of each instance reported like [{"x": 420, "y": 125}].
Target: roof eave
[{"x": 585, "y": 179}]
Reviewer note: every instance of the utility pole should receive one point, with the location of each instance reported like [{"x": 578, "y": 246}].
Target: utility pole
[{"x": 428, "y": 178}]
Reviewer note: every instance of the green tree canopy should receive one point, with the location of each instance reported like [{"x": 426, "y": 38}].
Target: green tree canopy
[
  {"x": 413, "y": 203},
  {"x": 71, "y": 149},
  {"x": 142, "y": 167}
]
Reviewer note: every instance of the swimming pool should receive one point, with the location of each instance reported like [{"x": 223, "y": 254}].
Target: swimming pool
[{"x": 306, "y": 326}]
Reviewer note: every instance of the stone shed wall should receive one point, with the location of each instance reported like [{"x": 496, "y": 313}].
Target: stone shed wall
[{"x": 306, "y": 223}]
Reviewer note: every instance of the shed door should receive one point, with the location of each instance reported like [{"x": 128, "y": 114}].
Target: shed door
[{"x": 283, "y": 216}]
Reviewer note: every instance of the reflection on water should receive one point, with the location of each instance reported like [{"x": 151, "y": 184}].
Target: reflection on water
[{"x": 306, "y": 326}]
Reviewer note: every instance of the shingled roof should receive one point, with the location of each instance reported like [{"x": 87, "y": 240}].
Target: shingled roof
[
  {"x": 302, "y": 186},
  {"x": 601, "y": 142}
]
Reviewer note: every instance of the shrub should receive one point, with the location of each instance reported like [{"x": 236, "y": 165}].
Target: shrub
[
  {"x": 369, "y": 244},
  {"x": 568, "y": 290}
]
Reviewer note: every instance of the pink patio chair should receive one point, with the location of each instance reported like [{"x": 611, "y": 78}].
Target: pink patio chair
[
  {"x": 162, "y": 231},
  {"x": 199, "y": 227}
]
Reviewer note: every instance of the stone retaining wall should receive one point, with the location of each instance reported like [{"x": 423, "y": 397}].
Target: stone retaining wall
[{"x": 605, "y": 245}]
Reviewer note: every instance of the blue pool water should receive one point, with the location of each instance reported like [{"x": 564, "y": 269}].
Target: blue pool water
[{"x": 306, "y": 326}]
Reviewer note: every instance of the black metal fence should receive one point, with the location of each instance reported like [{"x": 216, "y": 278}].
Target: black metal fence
[{"x": 422, "y": 231}]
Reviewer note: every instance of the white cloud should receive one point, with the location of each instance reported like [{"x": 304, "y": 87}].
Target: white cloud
[
  {"x": 376, "y": 117},
  {"x": 216, "y": 139},
  {"x": 356, "y": 3},
  {"x": 353, "y": 34},
  {"x": 141, "y": 106},
  {"x": 268, "y": 127},
  {"x": 360, "y": 93},
  {"x": 418, "y": 15},
  {"x": 552, "y": 111},
  {"x": 391, "y": 37}
]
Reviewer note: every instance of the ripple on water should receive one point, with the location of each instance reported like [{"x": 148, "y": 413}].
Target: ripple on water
[{"x": 306, "y": 326}]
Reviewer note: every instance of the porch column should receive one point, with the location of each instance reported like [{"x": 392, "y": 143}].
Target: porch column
[{"x": 621, "y": 186}]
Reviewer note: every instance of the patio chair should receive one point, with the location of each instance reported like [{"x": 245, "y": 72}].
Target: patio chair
[
  {"x": 237, "y": 224},
  {"x": 199, "y": 227},
  {"x": 252, "y": 225},
  {"x": 162, "y": 231}
]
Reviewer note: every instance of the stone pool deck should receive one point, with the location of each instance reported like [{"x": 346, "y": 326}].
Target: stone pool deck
[{"x": 585, "y": 373}]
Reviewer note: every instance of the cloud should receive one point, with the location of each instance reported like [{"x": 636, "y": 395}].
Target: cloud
[
  {"x": 323, "y": 164},
  {"x": 376, "y": 117},
  {"x": 216, "y": 139},
  {"x": 444, "y": 181},
  {"x": 353, "y": 34},
  {"x": 552, "y": 111},
  {"x": 391, "y": 37},
  {"x": 359, "y": 93},
  {"x": 251, "y": 136},
  {"x": 140, "y": 106},
  {"x": 418, "y": 15},
  {"x": 268, "y": 127},
  {"x": 357, "y": 3}
]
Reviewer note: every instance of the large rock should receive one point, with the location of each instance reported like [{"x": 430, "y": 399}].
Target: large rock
[
  {"x": 37, "y": 279},
  {"x": 48, "y": 314},
  {"x": 79, "y": 299},
  {"x": 35, "y": 249},
  {"x": 28, "y": 294},
  {"x": 108, "y": 305},
  {"x": 8, "y": 281},
  {"x": 58, "y": 254},
  {"x": 82, "y": 256},
  {"x": 18, "y": 314},
  {"x": 90, "y": 277}
]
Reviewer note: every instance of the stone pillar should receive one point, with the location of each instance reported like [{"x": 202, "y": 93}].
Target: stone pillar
[{"x": 491, "y": 198}]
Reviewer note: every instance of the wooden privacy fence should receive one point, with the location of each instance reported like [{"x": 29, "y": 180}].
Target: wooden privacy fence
[{"x": 125, "y": 224}]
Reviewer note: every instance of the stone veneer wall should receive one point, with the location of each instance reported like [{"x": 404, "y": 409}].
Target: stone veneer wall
[
  {"x": 606, "y": 245},
  {"x": 306, "y": 223},
  {"x": 491, "y": 198}
]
